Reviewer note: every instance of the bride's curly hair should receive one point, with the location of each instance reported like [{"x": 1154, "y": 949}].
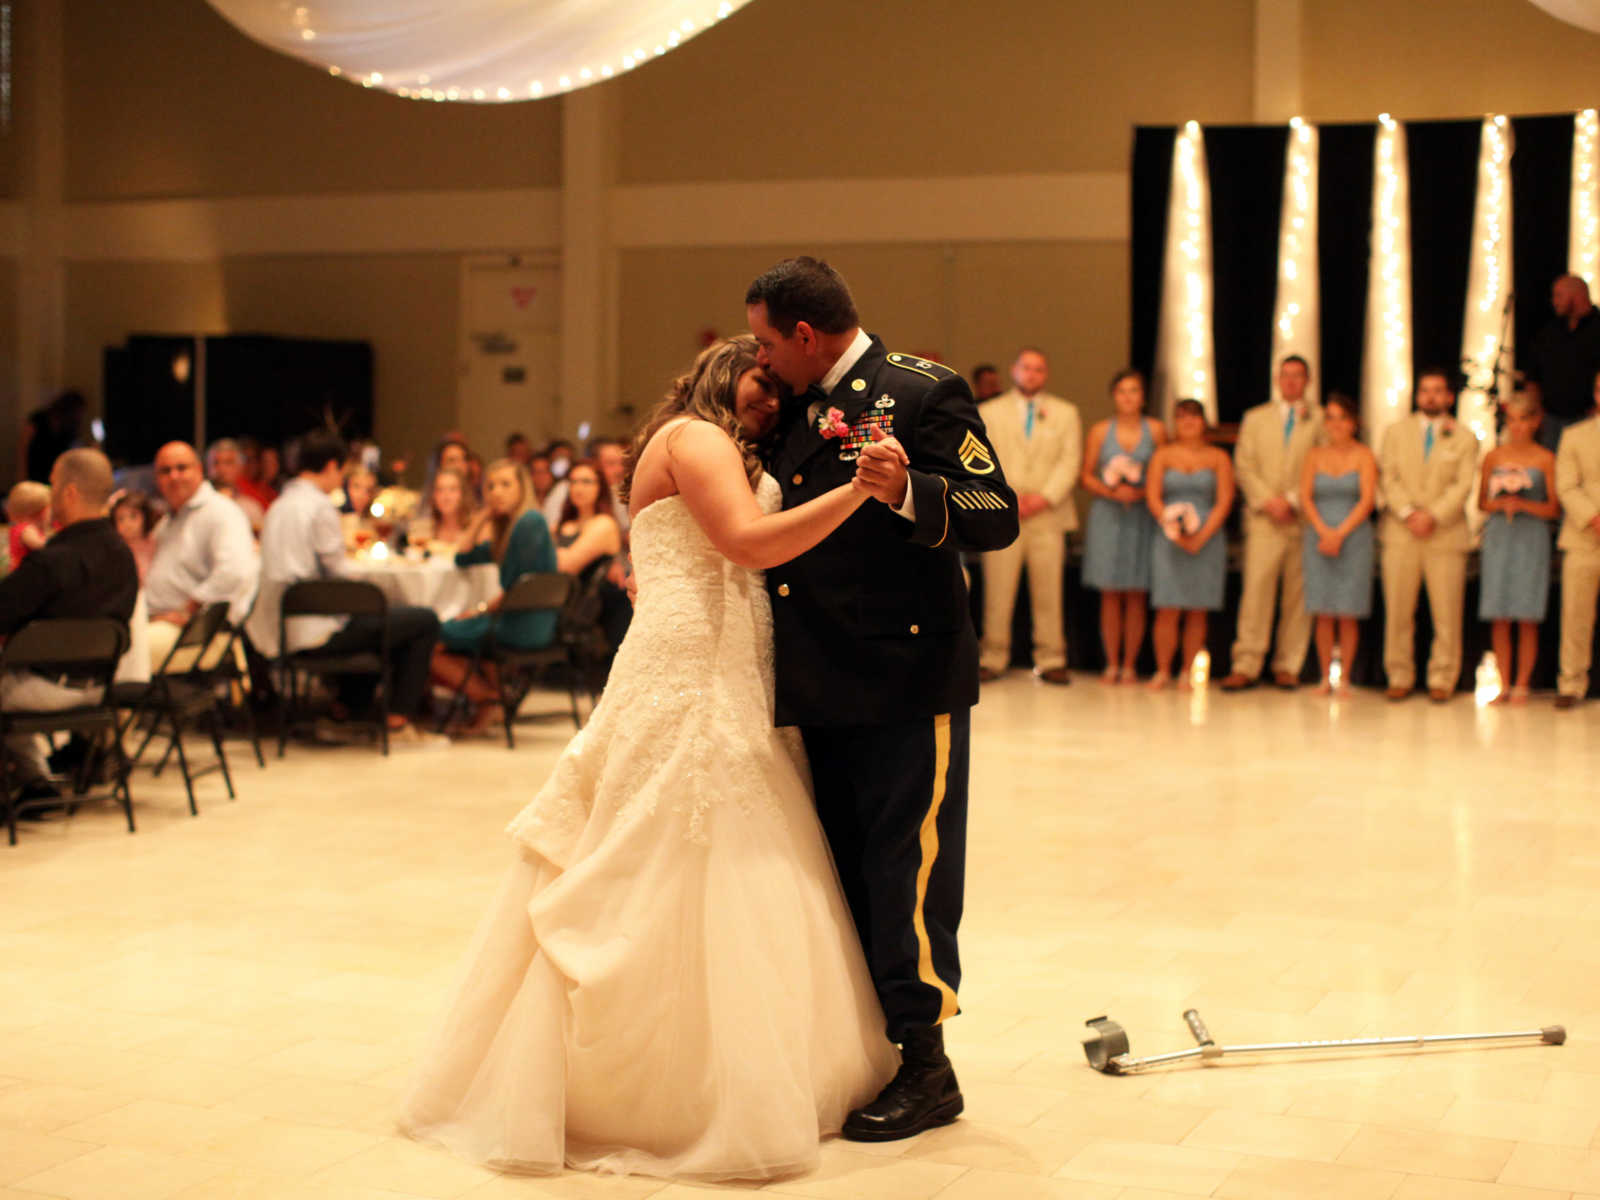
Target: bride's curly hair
[{"x": 706, "y": 391}]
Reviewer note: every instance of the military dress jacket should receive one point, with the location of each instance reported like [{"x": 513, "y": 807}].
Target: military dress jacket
[{"x": 872, "y": 625}]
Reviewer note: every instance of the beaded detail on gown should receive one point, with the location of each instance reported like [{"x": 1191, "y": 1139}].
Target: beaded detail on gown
[{"x": 668, "y": 981}]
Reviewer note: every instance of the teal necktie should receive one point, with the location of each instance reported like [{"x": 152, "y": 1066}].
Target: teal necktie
[
  {"x": 1027, "y": 428},
  {"x": 1288, "y": 427},
  {"x": 1427, "y": 442}
]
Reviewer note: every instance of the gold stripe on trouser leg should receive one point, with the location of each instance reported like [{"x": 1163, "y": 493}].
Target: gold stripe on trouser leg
[{"x": 930, "y": 852}]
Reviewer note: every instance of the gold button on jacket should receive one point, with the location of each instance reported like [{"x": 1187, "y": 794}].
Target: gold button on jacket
[{"x": 783, "y": 589}]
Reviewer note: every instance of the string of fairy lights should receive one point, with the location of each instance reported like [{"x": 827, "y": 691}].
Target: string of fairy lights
[
  {"x": 1583, "y": 239},
  {"x": 1386, "y": 371},
  {"x": 1296, "y": 323},
  {"x": 1187, "y": 369},
  {"x": 1488, "y": 284}
]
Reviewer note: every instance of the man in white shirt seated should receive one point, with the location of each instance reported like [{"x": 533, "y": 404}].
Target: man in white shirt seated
[
  {"x": 204, "y": 551},
  {"x": 302, "y": 540},
  {"x": 225, "y": 467}
]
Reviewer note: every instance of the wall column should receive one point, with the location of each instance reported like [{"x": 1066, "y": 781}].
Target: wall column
[
  {"x": 41, "y": 273},
  {"x": 588, "y": 259},
  {"x": 1278, "y": 60}
]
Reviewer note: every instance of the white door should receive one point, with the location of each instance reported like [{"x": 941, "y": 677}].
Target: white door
[{"x": 510, "y": 372}]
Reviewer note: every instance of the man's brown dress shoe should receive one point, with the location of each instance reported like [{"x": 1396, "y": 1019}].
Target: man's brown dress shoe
[
  {"x": 987, "y": 674},
  {"x": 1237, "y": 682},
  {"x": 1439, "y": 695},
  {"x": 1056, "y": 675},
  {"x": 1285, "y": 681},
  {"x": 1397, "y": 693},
  {"x": 1565, "y": 701}
]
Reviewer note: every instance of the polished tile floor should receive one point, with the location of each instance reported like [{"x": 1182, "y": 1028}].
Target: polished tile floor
[{"x": 225, "y": 1007}]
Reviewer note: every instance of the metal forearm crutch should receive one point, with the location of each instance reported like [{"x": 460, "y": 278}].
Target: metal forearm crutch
[{"x": 1107, "y": 1049}]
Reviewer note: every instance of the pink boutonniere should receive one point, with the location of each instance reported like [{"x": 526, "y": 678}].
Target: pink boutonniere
[
  {"x": 1447, "y": 426},
  {"x": 831, "y": 424}
]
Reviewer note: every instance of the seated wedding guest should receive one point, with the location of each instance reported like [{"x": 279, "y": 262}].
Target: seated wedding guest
[
  {"x": 560, "y": 452},
  {"x": 225, "y": 469},
  {"x": 474, "y": 473},
  {"x": 1116, "y": 548},
  {"x": 608, "y": 456},
  {"x": 269, "y": 472},
  {"x": 445, "y": 516},
  {"x": 253, "y": 480},
  {"x": 28, "y": 510},
  {"x": 1578, "y": 489},
  {"x": 1427, "y": 466},
  {"x": 302, "y": 541},
  {"x": 1189, "y": 492},
  {"x": 1516, "y": 492},
  {"x": 509, "y": 531},
  {"x": 135, "y": 517},
  {"x": 452, "y": 451},
  {"x": 359, "y": 486},
  {"x": 85, "y": 570},
  {"x": 1338, "y": 493},
  {"x": 204, "y": 551},
  {"x": 543, "y": 480},
  {"x": 587, "y": 533},
  {"x": 519, "y": 448}
]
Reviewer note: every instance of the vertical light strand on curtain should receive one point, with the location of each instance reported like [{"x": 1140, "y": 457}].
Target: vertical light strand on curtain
[
  {"x": 1386, "y": 359},
  {"x": 1488, "y": 317},
  {"x": 1297, "y": 317},
  {"x": 1583, "y": 237},
  {"x": 1185, "y": 357}
]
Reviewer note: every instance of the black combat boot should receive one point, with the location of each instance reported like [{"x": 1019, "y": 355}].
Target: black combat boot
[{"x": 922, "y": 1095}]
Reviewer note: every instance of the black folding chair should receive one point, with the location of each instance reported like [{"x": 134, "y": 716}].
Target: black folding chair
[
  {"x": 516, "y": 669},
  {"x": 332, "y": 598},
  {"x": 80, "y": 652},
  {"x": 175, "y": 695},
  {"x": 228, "y": 672}
]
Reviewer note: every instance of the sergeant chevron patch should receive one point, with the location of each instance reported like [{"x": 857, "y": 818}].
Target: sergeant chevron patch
[{"x": 975, "y": 456}]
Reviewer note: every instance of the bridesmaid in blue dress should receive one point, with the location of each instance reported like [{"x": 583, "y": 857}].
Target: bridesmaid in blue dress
[
  {"x": 1116, "y": 554},
  {"x": 1189, "y": 493},
  {"x": 1338, "y": 491},
  {"x": 1515, "y": 492}
]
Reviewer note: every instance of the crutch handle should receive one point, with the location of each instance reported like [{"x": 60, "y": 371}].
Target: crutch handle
[
  {"x": 1553, "y": 1035},
  {"x": 1202, "y": 1035}
]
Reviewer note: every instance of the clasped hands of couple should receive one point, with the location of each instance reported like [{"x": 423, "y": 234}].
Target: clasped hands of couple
[{"x": 881, "y": 469}]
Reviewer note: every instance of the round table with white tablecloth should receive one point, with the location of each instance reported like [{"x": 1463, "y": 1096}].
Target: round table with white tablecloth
[{"x": 435, "y": 583}]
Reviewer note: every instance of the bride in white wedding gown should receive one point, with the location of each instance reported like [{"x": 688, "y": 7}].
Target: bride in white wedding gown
[{"x": 668, "y": 981}]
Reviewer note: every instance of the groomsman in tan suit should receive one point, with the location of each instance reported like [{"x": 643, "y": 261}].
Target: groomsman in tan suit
[
  {"x": 1578, "y": 486},
  {"x": 1428, "y": 467},
  {"x": 1039, "y": 440},
  {"x": 1273, "y": 442}
]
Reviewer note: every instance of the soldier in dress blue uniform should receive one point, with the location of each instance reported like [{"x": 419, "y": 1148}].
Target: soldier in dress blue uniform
[{"x": 877, "y": 661}]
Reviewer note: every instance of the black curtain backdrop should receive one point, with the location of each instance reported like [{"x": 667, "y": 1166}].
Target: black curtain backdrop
[
  {"x": 1245, "y": 210},
  {"x": 1344, "y": 233},
  {"x": 1541, "y": 198},
  {"x": 1246, "y": 174}
]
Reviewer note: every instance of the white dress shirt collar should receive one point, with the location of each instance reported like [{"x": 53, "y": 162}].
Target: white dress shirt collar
[{"x": 847, "y": 360}]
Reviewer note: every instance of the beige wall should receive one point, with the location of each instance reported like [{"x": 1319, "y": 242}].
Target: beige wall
[
  {"x": 405, "y": 305},
  {"x": 164, "y": 98},
  {"x": 1439, "y": 59},
  {"x": 914, "y": 88},
  {"x": 11, "y": 412},
  {"x": 962, "y": 303}
]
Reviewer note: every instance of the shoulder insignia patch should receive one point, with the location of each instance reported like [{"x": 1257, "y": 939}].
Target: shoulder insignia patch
[
  {"x": 921, "y": 366},
  {"x": 975, "y": 456}
]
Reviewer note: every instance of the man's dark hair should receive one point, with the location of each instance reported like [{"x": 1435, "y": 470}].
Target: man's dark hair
[
  {"x": 1451, "y": 378},
  {"x": 319, "y": 448},
  {"x": 1295, "y": 358},
  {"x": 981, "y": 368},
  {"x": 804, "y": 289},
  {"x": 515, "y": 438}
]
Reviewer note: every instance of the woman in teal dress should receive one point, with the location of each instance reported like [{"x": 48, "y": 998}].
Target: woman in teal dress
[
  {"x": 1515, "y": 492},
  {"x": 510, "y": 531},
  {"x": 1189, "y": 493},
  {"x": 1116, "y": 552},
  {"x": 1338, "y": 491}
]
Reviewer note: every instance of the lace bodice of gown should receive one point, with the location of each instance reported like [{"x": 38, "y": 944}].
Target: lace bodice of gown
[{"x": 695, "y": 671}]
